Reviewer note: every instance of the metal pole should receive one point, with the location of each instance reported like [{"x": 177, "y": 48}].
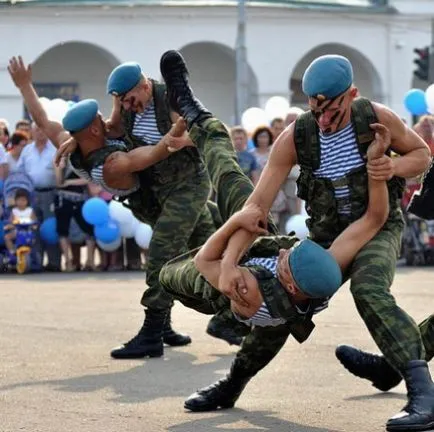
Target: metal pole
[
  {"x": 241, "y": 63},
  {"x": 431, "y": 56}
]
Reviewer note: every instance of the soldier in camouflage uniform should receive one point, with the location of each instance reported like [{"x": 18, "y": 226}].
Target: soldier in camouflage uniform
[
  {"x": 167, "y": 190},
  {"x": 332, "y": 204},
  {"x": 273, "y": 295},
  {"x": 177, "y": 190}
]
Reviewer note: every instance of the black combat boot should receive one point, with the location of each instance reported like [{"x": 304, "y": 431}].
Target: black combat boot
[
  {"x": 368, "y": 366},
  {"x": 418, "y": 414},
  {"x": 181, "y": 97},
  {"x": 170, "y": 336},
  {"x": 422, "y": 201},
  {"x": 222, "y": 394},
  {"x": 148, "y": 342},
  {"x": 231, "y": 332}
]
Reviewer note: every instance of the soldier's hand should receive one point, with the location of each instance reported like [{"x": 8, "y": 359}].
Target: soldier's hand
[
  {"x": 175, "y": 144},
  {"x": 64, "y": 150},
  {"x": 252, "y": 218},
  {"x": 380, "y": 143},
  {"x": 232, "y": 284},
  {"x": 20, "y": 74}
]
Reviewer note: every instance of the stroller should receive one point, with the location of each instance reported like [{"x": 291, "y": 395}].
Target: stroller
[
  {"x": 26, "y": 257},
  {"x": 418, "y": 236}
]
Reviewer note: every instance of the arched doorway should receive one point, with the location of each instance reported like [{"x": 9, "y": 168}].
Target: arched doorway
[
  {"x": 74, "y": 71},
  {"x": 366, "y": 77},
  {"x": 212, "y": 74}
]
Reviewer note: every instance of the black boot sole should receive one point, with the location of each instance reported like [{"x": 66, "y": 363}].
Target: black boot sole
[
  {"x": 213, "y": 407},
  {"x": 411, "y": 428},
  {"x": 149, "y": 352}
]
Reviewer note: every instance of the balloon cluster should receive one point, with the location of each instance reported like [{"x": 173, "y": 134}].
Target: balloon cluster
[
  {"x": 254, "y": 117},
  {"x": 112, "y": 222},
  {"x": 419, "y": 102}
]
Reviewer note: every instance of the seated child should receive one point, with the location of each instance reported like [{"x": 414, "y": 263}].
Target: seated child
[{"x": 21, "y": 213}]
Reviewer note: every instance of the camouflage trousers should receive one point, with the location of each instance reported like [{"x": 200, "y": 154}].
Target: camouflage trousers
[
  {"x": 371, "y": 274},
  {"x": 180, "y": 277},
  {"x": 427, "y": 332},
  {"x": 185, "y": 222}
]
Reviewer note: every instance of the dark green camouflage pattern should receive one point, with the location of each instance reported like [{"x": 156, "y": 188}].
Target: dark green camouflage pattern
[
  {"x": 180, "y": 277},
  {"x": 324, "y": 222},
  {"x": 172, "y": 199},
  {"x": 371, "y": 274},
  {"x": 426, "y": 328}
]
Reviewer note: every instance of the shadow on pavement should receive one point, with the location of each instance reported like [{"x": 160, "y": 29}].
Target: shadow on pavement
[
  {"x": 150, "y": 380},
  {"x": 243, "y": 421},
  {"x": 388, "y": 395}
]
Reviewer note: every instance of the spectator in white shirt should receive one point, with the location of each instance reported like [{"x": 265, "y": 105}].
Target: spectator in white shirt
[{"x": 36, "y": 160}]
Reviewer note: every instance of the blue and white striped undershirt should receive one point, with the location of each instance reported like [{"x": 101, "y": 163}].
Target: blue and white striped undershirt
[
  {"x": 98, "y": 178},
  {"x": 262, "y": 317},
  {"x": 145, "y": 126},
  {"x": 339, "y": 156}
]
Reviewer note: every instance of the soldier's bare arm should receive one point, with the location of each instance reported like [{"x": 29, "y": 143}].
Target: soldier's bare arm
[
  {"x": 352, "y": 239},
  {"x": 22, "y": 78},
  {"x": 415, "y": 154}
]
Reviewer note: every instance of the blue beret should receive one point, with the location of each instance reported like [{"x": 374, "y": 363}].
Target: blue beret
[
  {"x": 315, "y": 271},
  {"x": 328, "y": 75},
  {"x": 80, "y": 115},
  {"x": 123, "y": 78}
]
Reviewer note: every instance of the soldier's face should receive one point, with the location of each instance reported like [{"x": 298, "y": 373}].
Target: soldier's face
[
  {"x": 138, "y": 98},
  {"x": 332, "y": 115},
  {"x": 284, "y": 272}
]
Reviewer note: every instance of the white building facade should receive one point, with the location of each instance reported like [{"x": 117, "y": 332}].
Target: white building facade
[{"x": 74, "y": 46}]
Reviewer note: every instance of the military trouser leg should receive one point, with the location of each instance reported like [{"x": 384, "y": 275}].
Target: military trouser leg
[
  {"x": 231, "y": 185},
  {"x": 180, "y": 278},
  {"x": 426, "y": 328},
  {"x": 183, "y": 208},
  {"x": 372, "y": 272}
]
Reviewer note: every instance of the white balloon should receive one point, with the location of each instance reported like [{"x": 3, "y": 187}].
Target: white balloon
[
  {"x": 45, "y": 102},
  {"x": 128, "y": 230},
  {"x": 252, "y": 118},
  {"x": 297, "y": 223},
  {"x": 429, "y": 97},
  {"x": 143, "y": 235},
  {"x": 119, "y": 213},
  {"x": 276, "y": 106},
  {"x": 110, "y": 247},
  {"x": 56, "y": 109}
]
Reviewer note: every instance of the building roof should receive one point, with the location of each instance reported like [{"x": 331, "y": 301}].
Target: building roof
[{"x": 352, "y": 4}]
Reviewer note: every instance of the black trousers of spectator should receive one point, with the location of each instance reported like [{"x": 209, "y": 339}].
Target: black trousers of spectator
[{"x": 65, "y": 210}]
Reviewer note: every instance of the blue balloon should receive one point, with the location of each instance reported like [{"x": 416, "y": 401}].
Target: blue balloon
[
  {"x": 415, "y": 102},
  {"x": 48, "y": 231},
  {"x": 2, "y": 233},
  {"x": 108, "y": 232},
  {"x": 95, "y": 211}
]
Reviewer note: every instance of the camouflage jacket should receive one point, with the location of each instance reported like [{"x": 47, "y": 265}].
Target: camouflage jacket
[{"x": 325, "y": 223}]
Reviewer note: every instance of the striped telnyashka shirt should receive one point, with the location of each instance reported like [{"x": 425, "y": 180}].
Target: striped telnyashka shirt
[
  {"x": 97, "y": 175},
  {"x": 339, "y": 155},
  {"x": 145, "y": 126},
  {"x": 262, "y": 317}
]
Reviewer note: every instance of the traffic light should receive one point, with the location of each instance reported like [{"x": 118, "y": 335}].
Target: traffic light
[{"x": 422, "y": 61}]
